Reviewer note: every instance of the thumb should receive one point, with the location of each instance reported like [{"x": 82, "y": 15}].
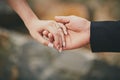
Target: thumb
[{"x": 62, "y": 19}]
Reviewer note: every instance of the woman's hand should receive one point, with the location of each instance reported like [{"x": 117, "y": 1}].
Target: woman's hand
[{"x": 37, "y": 28}]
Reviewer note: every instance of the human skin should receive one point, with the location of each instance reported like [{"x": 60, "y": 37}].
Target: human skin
[
  {"x": 78, "y": 31},
  {"x": 37, "y": 26}
]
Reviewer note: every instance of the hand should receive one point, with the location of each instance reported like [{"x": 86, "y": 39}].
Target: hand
[
  {"x": 78, "y": 31},
  {"x": 36, "y": 27}
]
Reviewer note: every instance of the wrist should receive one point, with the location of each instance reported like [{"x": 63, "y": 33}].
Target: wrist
[
  {"x": 30, "y": 18},
  {"x": 88, "y": 31},
  {"x": 31, "y": 22}
]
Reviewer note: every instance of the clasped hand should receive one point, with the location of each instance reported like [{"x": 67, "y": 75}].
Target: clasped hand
[{"x": 65, "y": 33}]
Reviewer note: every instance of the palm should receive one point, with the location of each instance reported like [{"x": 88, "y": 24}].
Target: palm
[{"x": 75, "y": 39}]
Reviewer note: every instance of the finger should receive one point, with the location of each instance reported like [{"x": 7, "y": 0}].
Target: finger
[
  {"x": 56, "y": 40},
  {"x": 45, "y": 33},
  {"x": 62, "y": 40},
  {"x": 51, "y": 38},
  {"x": 63, "y": 28},
  {"x": 62, "y": 37},
  {"x": 62, "y": 19},
  {"x": 45, "y": 41},
  {"x": 53, "y": 28},
  {"x": 55, "y": 35},
  {"x": 50, "y": 45},
  {"x": 59, "y": 42},
  {"x": 39, "y": 38}
]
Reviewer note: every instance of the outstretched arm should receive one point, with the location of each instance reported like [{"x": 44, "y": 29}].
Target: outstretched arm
[{"x": 36, "y": 26}]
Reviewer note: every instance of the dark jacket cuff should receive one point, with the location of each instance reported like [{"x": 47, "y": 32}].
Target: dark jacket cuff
[{"x": 105, "y": 36}]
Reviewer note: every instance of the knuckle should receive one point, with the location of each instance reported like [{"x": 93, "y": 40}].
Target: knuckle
[
  {"x": 49, "y": 34},
  {"x": 43, "y": 32}
]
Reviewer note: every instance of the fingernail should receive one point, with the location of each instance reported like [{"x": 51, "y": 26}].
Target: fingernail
[
  {"x": 50, "y": 45},
  {"x": 60, "y": 50}
]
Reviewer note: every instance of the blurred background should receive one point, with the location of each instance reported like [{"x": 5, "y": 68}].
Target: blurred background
[{"x": 22, "y": 58}]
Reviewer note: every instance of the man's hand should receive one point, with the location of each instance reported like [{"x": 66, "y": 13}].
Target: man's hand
[{"x": 78, "y": 31}]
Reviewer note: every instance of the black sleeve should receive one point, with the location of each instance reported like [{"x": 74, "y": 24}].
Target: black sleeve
[{"x": 105, "y": 36}]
